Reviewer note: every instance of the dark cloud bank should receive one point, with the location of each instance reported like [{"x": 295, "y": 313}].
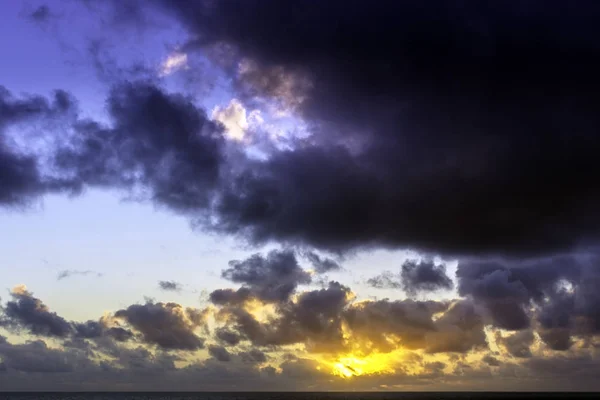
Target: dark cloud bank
[
  {"x": 462, "y": 129},
  {"x": 414, "y": 277},
  {"x": 448, "y": 127},
  {"x": 282, "y": 349}
]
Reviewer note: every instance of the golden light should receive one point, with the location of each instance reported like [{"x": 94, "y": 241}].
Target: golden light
[
  {"x": 348, "y": 366},
  {"x": 263, "y": 312},
  {"x": 343, "y": 370}
]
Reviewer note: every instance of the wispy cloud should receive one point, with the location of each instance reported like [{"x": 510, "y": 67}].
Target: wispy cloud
[
  {"x": 173, "y": 63},
  {"x": 170, "y": 286},
  {"x": 67, "y": 273}
]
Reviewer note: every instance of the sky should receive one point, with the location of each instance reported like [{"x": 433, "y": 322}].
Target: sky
[{"x": 268, "y": 195}]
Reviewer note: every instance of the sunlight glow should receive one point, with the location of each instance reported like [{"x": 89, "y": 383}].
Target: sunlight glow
[{"x": 348, "y": 366}]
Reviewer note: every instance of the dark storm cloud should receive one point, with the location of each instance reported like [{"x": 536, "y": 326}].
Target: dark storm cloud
[
  {"x": 458, "y": 329},
  {"x": 246, "y": 326},
  {"x": 160, "y": 147},
  {"x": 171, "y": 286},
  {"x": 385, "y": 280},
  {"x": 167, "y": 325},
  {"x": 140, "y": 359},
  {"x": 491, "y": 361},
  {"x": 89, "y": 329},
  {"x": 27, "y": 311},
  {"x": 506, "y": 289},
  {"x": 414, "y": 277},
  {"x": 272, "y": 278},
  {"x": 35, "y": 366},
  {"x": 424, "y": 276},
  {"x": 119, "y": 334},
  {"x": 317, "y": 319},
  {"x": 253, "y": 356},
  {"x": 314, "y": 318},
  {"x": 464, "y": 120},
  {"x": 230, "y": 296},
  {"x": 450, "y": 138},
  {"x": 36, "y": 357},
  {"x": 219, "y": 353},
  {"x": 32, "y": 108},
  {"x": 21, "y": 179},
  {"x": 19, "y": 176},
  {"x": 517, "y": 344},
  {"x": 98, "y": 329},
  {"x": 450, "y": 127},
  {"x": 322, "y": 264},
  {"x": 228, "y": 337},
  {"x": 560, "y": 290},
  {"x": 581, "y": 369}
]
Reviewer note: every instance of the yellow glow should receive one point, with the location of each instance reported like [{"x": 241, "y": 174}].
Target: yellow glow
[
  {"x": 261, "y": 311},
  {"x": 348, "y": 366}
]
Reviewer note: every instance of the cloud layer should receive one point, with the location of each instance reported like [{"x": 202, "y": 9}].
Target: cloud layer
[
  {"x": 503, "y": 324},
  {"x": 449, "y": 140},
  {"x": 452, "y": 129}
]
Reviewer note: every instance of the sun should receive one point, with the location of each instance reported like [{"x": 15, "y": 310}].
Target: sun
[
  {"x": 345, "y": 371},
  {"x": 350, "y": 366}
]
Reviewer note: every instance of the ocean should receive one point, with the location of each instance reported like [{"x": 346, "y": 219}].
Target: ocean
[{"x": 294, "y": 396}]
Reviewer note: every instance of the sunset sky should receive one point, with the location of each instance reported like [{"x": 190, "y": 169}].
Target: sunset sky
[{"x": 299, "y": 195}]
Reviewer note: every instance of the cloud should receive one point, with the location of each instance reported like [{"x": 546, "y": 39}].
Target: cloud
[
  {"x": 20, "y": 171},
  {"x": 518, "y": 344},
  {"x": 402, "y": 139},
  {"x": 170, "y": 286},
  {"x": 89, "y": 329},
  {"x": 37, "y": 357},
  {"x": 430, "y": 129},
  {"x": 253, "y": 356},
  {"x": 491, "y": 361},
  {"x": 286, "y": 86},
  {"x": 414, "y": 277},
  {"x": 434, "y": 338},
  {"x": 41, "y": 14},
  {"x": 327, "y": 321},
  {"x": 314, "y": 318},
  {"x": 459, "y": 330},
  {"x": 432, "y": 143},
  {"x": 230, "y": 296},
  {"x": 27, "y": 311},
  {"x": 219, "y": 353},
  {"x": 100, "y": 329},
  {"x": 167, "y": 325},
  {"x": 67, "y": 273},
  {"x": 234, "y": 119},
  {"x": 151, "y": 129},
  {"x": 173, "y": 63},
  {"x": 385, "y": 280},
  {"x": 322, "y": 264},
  {"x": 424, "y": 276},
  {"x": 553, "y": 294},
  {"x": 271, "y": 278},
  {"x": 228, "y": 337}
]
